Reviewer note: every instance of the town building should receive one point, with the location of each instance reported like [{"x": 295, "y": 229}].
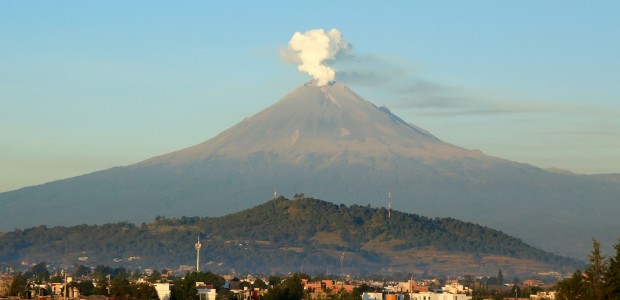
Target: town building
[
  {"x": 163, "y": 290},
  {"x": 5, "y": 283},
  {"x": 543, "y": 296},
  {"x": 532, "y": 282},
  {"x": 438, "y": 296},
  {"x": 205, "y": 292}
]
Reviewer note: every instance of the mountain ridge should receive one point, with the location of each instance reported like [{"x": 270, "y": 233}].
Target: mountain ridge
[
  {"x": 330, "y": 143},
  {"x": 304, "y": 231}
]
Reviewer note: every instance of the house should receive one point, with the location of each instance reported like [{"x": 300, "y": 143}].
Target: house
[
  {"x": 318, "y": 289},
  {"x": 532, "y": 282},
  {"x": 410, "y": 286},
  {"x": 205, "y": 292},
  {"x": 455, "y": 288}
]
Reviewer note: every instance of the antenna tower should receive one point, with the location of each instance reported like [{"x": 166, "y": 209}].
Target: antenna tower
[
  {"x": 341, "y": 265},
  {"x": 389, "y": 205},
  {"x": 197, "y": 246}
]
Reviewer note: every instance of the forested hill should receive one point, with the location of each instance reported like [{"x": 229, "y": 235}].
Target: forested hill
[{"x": 282, "y": 235}]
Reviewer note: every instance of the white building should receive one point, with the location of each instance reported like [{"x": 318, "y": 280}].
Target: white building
[
  {"x": 372, "y": 296},
  {"x": 543, "y": 296},
  {"x": 455, "y": 288},
  {"x": 163, "y": 290},
  {"x": 438, "y": 296},
  {"x": 204, "y": 292}
]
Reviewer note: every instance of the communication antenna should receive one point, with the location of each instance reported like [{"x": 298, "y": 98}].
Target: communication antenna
[
  {"x": 275, "y": 194},
  {"x": 389, "y": 205},
  {"x": 341, "y": 265},
  {"x": 198, "y": 245}
]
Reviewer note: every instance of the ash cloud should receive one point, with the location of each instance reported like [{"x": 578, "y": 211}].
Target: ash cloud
[
  {"x": 313, "y": 49},
  {"x": 432, "y": 98},
  {"x": 317, "y": 51}
]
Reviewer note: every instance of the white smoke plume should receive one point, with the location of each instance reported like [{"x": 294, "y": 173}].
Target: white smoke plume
[{"x": 313, "y": 48}]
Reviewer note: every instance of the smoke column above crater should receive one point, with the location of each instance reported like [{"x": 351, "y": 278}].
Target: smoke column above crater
[{"x": 313, "y": 48}]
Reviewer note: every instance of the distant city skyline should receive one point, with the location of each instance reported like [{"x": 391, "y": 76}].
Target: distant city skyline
[{"x": 86, "y": 86}]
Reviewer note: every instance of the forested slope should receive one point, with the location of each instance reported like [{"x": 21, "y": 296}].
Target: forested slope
[{"x": 283, "y": 235}]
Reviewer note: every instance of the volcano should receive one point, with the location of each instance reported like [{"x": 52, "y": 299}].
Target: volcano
[
  {"x": 325, "y": 124},
  {"x": 330, "y": 143}
]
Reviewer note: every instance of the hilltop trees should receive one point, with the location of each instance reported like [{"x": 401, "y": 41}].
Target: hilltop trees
[{"x": 264, "y": 237}]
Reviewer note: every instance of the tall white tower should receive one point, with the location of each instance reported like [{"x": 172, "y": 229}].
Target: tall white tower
[{"x": 198, "y": 245}]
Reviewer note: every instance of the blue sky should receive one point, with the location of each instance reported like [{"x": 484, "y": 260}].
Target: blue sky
[{"x": 89, "y": 85}]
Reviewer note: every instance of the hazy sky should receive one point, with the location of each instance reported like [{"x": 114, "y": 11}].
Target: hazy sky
[{"x": 88, "y": 85}]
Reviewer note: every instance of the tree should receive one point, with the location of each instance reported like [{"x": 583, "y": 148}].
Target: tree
[
  {"x": 18, "y": 285},
  {"x": 225, "y": 295},
  {"x": 468, "y": 281},
  {"x": 516, "y": 291},
  {"x": 81, "y": 270},
  {"x": 156, "y": 276},
  {"x": 500, "y": 277},
  {"x": 612, "y": 276},
  {"x": 40, "y": 272},
  {"x": 291, "y": 288},
  {"x": 492, "y": 281},
  {"x": 120, "y": 272},
  {"x": 359, "y": 290},
  {"x": 572, "y": 288},
  {"x": 102, "y": 285},
  {"x": 531, "y": 290},
  {"x": 274, "y": 280},
  {"x": 143, "y": 291},
  {"x": 120, "y": 287},
  {"x": 595, "y": 273},
  {"x": 102, "y": 270},
  {"x": 259, "y": 283},
  {"x": 86, "y": 287},
  {"x": 184, "y": 289},
  {"x": 103, "y": 275}
]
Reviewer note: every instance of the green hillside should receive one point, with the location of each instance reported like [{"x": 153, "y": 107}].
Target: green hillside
[{"x": 287, "y": 235}]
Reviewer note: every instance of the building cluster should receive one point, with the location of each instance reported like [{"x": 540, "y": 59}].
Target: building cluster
[
  {"x": 452, "y": 290},
  {"x": 244, "y": 288}
]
